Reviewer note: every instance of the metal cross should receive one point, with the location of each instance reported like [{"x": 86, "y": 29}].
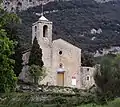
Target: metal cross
[{"x": 42, "y": 9}]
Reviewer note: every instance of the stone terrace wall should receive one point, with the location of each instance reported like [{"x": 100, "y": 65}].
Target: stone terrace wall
[{"x": 28, "y": 87}]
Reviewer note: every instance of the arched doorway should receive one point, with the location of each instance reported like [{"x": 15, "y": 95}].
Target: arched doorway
[{"x": 45, "y": 31}]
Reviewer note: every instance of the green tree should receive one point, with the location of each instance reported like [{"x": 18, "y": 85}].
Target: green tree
[
  {"x": 37, "y": 73},
  {"x": 107, "y": 77},
  {"x": 87, "y": 60},
  {"x": 17, "y": 56},
  {"x": 35, "y": 62},
  {"x": 9, "y": 22},
  {"x": 7, "y": 76},
  {"x": 36, "y": 54},
  {"x": 104, "y": 74}
]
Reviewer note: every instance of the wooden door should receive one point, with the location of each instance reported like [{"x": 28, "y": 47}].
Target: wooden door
[{"x": 60, "y": 79}]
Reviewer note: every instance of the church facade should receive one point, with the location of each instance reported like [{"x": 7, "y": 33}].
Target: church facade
[{"x": 62, "y": 59}]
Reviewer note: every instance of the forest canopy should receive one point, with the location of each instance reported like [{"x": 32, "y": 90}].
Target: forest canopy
[{"x": 73, "y": 22}]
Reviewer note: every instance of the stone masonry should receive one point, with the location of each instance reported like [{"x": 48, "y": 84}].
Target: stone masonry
[
  {"x": 57, "y": 52},
  {"x": 62, "y": 60}
]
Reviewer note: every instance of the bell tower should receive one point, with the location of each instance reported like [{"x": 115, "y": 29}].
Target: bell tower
[{"x": 42, "y": 30}]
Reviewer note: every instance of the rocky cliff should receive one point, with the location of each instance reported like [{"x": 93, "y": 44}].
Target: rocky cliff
[{"x": 13, "y": 5}]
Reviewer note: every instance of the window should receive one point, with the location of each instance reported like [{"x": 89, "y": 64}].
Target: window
[
  {"x": 87, "y": 69},
  {"x": 45, "y": 31},
  {"x": 61, "y": 65},
  {"x": 35, "y": 28},
  {"x": 19, "y": 4},
  {"x": 60, "y": 52},
  {"x": 30, "y": 0},
  {"x": 88, "y": 78}
]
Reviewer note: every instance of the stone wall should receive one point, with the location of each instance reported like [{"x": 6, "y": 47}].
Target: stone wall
[
  {"x": 45, "y": 44},
  {"x": 87, "y": 77},
  {"x": 25, "y": 75},
  {"x": 70, "y": 59},
  {"x": 28, "y": 87},
  {"x": 25, "y": 57},
  {"x": 59, "y": 52}
]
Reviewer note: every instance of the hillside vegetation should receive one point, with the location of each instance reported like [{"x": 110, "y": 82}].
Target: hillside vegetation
[{"x": 74, "y": 20}]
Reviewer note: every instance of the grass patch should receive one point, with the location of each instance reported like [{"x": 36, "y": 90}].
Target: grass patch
[{"x": 114, "y": 103}]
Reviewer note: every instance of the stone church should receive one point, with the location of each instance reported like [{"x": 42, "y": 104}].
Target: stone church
[{"x": 61, "y": 59}]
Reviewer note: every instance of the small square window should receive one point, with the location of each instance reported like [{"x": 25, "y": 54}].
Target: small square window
[
  {"x": 35, "y": 28},
  {"x": 87, "y": 69},
  {"x": 30, "y": 0},
  {"x": 88, "y": 78}
]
